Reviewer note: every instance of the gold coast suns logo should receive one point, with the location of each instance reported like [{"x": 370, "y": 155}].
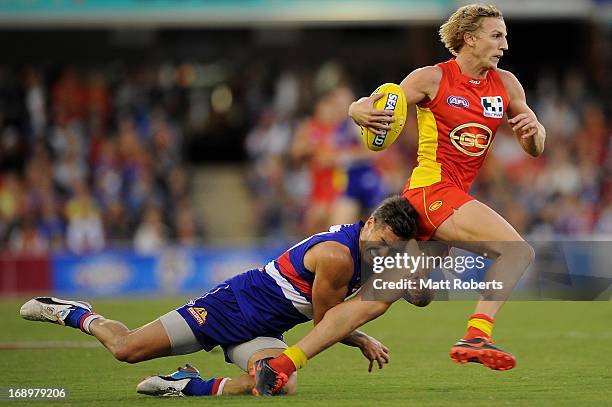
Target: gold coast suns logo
[
  {"x": 471, "y": 139},
  {"x": 435, "y": 206}
]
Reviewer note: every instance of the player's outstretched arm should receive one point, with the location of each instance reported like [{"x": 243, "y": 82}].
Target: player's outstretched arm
[
  {"x": 347, "y": 316},
  {"x": 333, "y": 266},
  {"x": 528, "y": 130},
  {"x": 339, "y": 322}
]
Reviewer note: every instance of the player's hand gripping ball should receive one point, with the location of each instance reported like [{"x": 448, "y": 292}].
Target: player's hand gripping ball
[{"x": 395, "y": 100}]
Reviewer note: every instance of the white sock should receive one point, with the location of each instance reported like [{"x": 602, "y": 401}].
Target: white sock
[
  {"x": 221, "y": 386},
  {"x": 88, "y": 320}
]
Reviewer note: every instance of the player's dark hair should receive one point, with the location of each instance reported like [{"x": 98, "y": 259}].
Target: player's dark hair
[{"x": 399, "y": 215}]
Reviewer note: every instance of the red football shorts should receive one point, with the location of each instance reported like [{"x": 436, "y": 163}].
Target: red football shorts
[{"x": 434, "y": 204}]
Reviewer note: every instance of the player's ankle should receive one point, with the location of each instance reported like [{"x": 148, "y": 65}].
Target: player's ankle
[
  {"x": 75, "y": 317},
  {"x": 282, "y": 364},
  {"x": 479, "y": 326},
  {"x": 199, "y": 387},
  {"x": 292, "y": 359},
  {"x": 475, "y": 333},
  {"x": 86, "y": 320}
]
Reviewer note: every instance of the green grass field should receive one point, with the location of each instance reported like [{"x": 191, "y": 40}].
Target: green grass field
[{"x": 563, "y": 349}]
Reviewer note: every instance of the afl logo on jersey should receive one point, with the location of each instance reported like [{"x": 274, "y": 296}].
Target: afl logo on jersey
[
  {"x": 458, "y": 102},
  {"x": 471, "y": 139}
]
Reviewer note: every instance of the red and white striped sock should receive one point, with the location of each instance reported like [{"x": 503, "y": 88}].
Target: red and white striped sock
[
  {"x": 219, "y": 385},
  {"x": 86, "y": 321}
]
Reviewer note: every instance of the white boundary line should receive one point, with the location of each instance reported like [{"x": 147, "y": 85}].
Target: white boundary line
[{"x": 23, "y": 345}]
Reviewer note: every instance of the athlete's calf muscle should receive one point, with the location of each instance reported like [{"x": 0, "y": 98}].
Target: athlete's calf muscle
[{"x": 147, "y": 342}]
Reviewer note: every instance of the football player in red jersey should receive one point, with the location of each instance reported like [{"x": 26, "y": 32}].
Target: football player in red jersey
[{"x": 460, "y": 104}]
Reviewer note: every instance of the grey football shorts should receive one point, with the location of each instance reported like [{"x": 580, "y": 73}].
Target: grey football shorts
[{"x": 183, "y": 341}]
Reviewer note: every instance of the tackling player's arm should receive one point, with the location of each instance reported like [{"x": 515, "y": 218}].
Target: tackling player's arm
[
  {"x": 332, "y": 264},
  {"x": 420, "y": 85},
  {"x": 340, "y": 320},
  {"x": 367, "y": 305},
  {"x": 528, "y": 130},
  {"x": 333, "y": 267}
]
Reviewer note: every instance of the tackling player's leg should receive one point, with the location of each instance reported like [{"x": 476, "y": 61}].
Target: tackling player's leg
[
  {"x": 186, "y": 381},
  {"x": 132, "y": 346},
  {"x": 168, "y": 335}
]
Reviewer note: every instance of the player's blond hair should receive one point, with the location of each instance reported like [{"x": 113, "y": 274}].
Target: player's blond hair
[{"x": 466, "y": 19}]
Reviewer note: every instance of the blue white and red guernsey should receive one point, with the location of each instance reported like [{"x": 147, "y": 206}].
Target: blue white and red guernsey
[{"x": 267, "y": 301}]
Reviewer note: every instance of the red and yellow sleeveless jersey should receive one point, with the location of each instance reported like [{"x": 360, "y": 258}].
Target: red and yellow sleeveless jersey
[{"x": 457, "y": 127}]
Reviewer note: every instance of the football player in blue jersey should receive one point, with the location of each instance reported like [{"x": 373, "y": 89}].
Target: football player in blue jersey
[{"x": 247, "y": 314}]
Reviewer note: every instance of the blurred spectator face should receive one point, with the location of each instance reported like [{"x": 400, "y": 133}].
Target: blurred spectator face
[
  {"x": 68, "y": 96},
  {"x": 152, "y": 216},
  {"x": 27, "y": 239},
  {"x": 51, "y": 224},
  {"x": 573, "y": 216},
  {"x": 10, "y": 196},
  {"x": 342, "y": 98},
  {"x": 129, "y": 146},
  {"x": 324, "y": 110},
  {"x": 97, "y": 97},
  {"x": 116, "y": 213},
  {"x": 185, "y": 228},
  {"x": 178, "y": 182},
  {"x": 85, "y": 231},
  {"x": 151, "y": 233},
  {"x": 107, "y": 176}
]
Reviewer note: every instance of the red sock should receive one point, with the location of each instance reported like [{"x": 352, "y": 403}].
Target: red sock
[
  {"x": 476, "y": 329},
  {"x": 282, "y": 364}
]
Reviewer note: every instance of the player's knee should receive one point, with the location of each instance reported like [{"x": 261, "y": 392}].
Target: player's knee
[
  {"x": 123, "y": 351},
  {"x": 524, "y": 251},
  {"x": 120, "y": 353},
  {"x": 529, "y": 252},
  {"x": 129, "y": 357},
  {"x": 520, "y": 250}
]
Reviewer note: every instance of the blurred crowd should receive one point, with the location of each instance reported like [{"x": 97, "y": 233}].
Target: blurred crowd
[
  {"x": 89, "y": 163},
  {"x": 94, "y": 157},
  {"x": 310, "y": 168},
  {"x": 567, "y": 191}
]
